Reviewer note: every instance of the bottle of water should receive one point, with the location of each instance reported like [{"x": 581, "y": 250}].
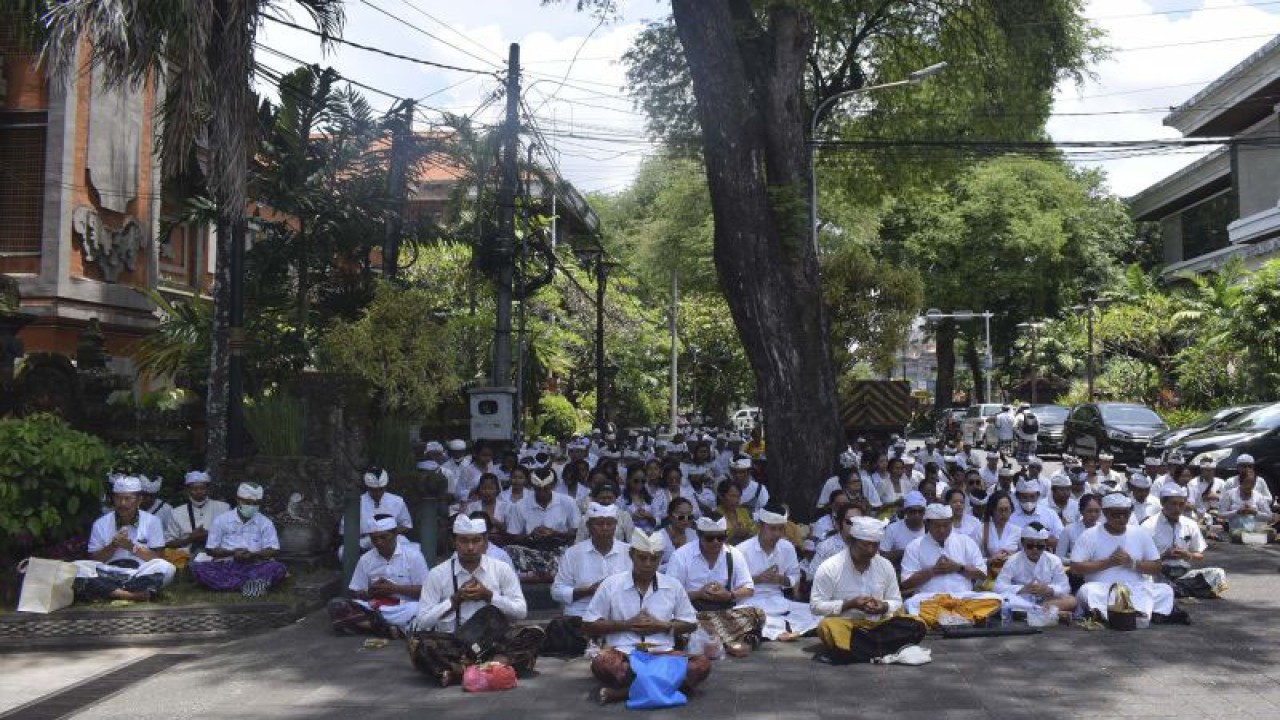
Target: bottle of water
[{"x": 1006, "y": 614}]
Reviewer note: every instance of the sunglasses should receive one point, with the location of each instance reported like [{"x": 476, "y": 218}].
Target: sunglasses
[
  {"x": 681, "y": 517},
  {"x": 714, "y": 538},
  {"x": 1035, "y": 546}
]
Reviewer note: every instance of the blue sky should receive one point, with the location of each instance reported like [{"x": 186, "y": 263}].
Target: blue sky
[{"x": 598, "y": 136}]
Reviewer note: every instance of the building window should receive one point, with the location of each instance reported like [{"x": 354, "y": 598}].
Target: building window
[
  {"x": 21, "y": 188},
  {"x": 1204, "y": 227}
]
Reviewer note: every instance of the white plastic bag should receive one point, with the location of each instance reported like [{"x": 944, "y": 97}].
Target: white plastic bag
[
  {"x": 46, "y": 585},
  {"x": 702, "y": 642},
  {"x": 909, "y": 655}
]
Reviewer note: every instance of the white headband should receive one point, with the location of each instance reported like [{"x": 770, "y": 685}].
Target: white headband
[
  {"x": 126, "y": 484},
  {"x": 1027, "y": 486},
  {"x": 196, "y": 476},
  {"x": 378, "y": 480},
  {"x": 457, "y": 445},
  {"x": 249, "y": 491},
  {"x": 707, "y": 525},
  {"x": 463, "y": 525},
  {"x": 1030, "y": 533},
  {"x": 770, "y": 518},
  {"x": 647, "y": 543},
  {"x": 935, "y": 511},
  {"x": 596, "y": 510},
  {"x": 1114, "y": 501},
  {"x": 865, "y": 528},
  {"x": 1172, "y": 490},
  {"x": 383, "y": 525}
]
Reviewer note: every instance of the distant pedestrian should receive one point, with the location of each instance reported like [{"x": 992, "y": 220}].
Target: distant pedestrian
[
  {"x": 1026, "y": 432},
  {"x": 1004, "y": 425}
]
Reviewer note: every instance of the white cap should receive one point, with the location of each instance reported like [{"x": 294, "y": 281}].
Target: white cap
[
  {"x": 865, "y": 528},
  {"x": 741, "y": 464},
  {"x": 249, "y": 491},
  {"x": 914, "y": 499},
  {"x": 1139, "y": 480},
  {"x": 385, "y": 524},
  {"x": 1106, "y": 456},
  {"x": 596, "y": 510},
  {"x": 126, "y": 484},
  {"x": 948, "y": 458},
  {"x": 1151, "y": 461},
  {"x": 1207, "y": 462},
  {"x": 1026, "y": 485},
  {"x": 457, "y": 445},
  {"x": 542, "y": 477},
  {"x": 428, "y": 465},
  {"x": 1030, "y": 533},
  {"x": 376, "y": 480},
  {"x": 1245, "y": 459},
  {"x": 196, "y": 476},
  {"x": 1115, "y": 500},
  {"x": 1005, "y": 472},
  {"x": 937, "y": 512},
  {"x": 463, "y": 525},
  {"x": 770, "y": 518},
  {"x": 647, "y": 543},
  {"x": 1033, "y": 460},
  {"x": 1172, "y": 490},
  {"x": 1059, "y": 480},
  {"x": 707, "y": 525},
  {"x": 434, "y": 446},
  {"x": 150, "y": 486}
]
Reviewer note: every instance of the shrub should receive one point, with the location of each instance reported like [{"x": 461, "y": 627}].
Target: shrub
[
  {"x": 152, "y": 461},
  {"x": 275, "y": 421},
  {"x": 51, "y": 480},
  {"x": 559, "y": 419},
  {"x": 391, "y": 446}
]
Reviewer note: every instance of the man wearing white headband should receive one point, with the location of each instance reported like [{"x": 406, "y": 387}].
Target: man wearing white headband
[
  {"x": 1177, "y": 537},
  {"x": 1030, "y": 508},
  {"x": 544, "y": 518},
  {"x": 1210, "y": 487},
  {"x": 1113, "y": 551},
  {"x": 944, "y": 563},
  {"x": 1145, "y": 504},
  {"x": 856, "y": 594},
  {"x": 582, "y": 567},
  {"x": 990, "y": 471},
  {"x": 189, "y": 523},
  {"x": 126, "y": 545},
  {"x": 774, "y": 567},
  {"x": 241, "y": 548},
  {"x": 754, "y": 495},
  {"x": 717, "y": 577},
  {"x": 385, "y": 586},
  {"x": 1061, "y": 502},
  {"x": 902, "y": 533},
  {"x": 1107, "y": 474},
  {"x": 468, "y": 585},
  {"x": 151, "y": 500},
  {"x": 640, "y": 609},
  {"x": 374, "y": 501},
  {"x": 1035, "y": 577},
  {"x": 606, "y": 493},
  {"x": 1246, "y": 500}
]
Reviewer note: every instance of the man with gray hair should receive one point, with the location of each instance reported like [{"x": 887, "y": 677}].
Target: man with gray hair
[
  {"x": 126, "y": 547},
  {"x": 241, "y": 548}
]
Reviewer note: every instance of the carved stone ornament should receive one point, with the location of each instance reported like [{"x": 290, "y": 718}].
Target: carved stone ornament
[{"x": 113, "y": 250}]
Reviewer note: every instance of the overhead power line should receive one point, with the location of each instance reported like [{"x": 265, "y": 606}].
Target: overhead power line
[{"x": 379, "y": 51}]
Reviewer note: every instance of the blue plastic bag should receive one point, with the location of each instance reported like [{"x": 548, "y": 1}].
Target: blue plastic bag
[{"x": 658, "y": 681}]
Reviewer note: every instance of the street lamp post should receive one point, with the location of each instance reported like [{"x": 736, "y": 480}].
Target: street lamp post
[
  {"x": 934, "y": 314},
  {"x": 1034, "y": 327},
  {"x": 1090, "y": 304},
  {"x": 915, "y": 78}
]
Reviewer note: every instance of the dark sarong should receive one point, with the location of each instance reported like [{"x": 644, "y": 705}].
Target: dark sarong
[
  {"x": 740, "y": 624},
  {"x": 435, "y": 652},
  {"x": 88, "y": 589},
  {"x": 533, "y": 564},
  {"x": 224, "y": 576}
]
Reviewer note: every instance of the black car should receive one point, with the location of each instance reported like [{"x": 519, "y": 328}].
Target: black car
[
  {"x": 1257, "y": 433},
  {"x": 1205, "y": 423},
  {"x": 1052, "y": 420},
  {"x": 1122, "y": 429}
]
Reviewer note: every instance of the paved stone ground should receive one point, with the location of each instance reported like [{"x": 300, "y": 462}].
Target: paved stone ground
[{"x": 1222, "y": 667}]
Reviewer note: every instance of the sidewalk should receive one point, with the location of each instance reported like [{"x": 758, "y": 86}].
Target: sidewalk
[{"x": 1224, "y": 666}]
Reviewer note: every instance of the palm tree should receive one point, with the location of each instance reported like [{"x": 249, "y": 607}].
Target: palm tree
[{"x": 204, "y": 52}]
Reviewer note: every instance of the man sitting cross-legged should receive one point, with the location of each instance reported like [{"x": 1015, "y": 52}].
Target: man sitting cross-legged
[
  {"x": 1035, "y": 577},
  {"x": 385, "y": 586},
  {"x": 125, "y": 547},
  {"x": 584, "y": 566},
  {"x": 940, "y": 567},
  {"x": 640, "y": 609},
  {"x": 856, "y": 594},
  {"x": 455, "y": 592},
  {"x": 1115, "y": 552},
  {"x": 1180, "y": 542},
  {"x": 242, "y": 544}
]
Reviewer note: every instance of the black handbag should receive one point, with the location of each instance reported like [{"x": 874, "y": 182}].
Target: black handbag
[
  {"x": 482, "y": 632},
  {"x": 717, "y": 605}
]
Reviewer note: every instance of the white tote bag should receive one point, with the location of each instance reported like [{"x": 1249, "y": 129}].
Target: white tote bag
[{"x": 46, "y": 586}]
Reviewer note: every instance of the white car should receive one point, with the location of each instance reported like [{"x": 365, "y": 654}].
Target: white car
[
  {"x": 973, "y": 428},
  {"x": 746, "y": 419}
]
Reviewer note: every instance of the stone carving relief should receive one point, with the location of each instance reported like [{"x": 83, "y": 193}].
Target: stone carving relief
[{"x": 113, "y": 250}]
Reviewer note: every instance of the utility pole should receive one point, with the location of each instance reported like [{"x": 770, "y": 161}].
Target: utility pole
[
  {"x": 397, "y": 188},
  {"x": 675, "y": 355},
  {"x": 1089, "y": 369},
  {"x": 600, "y": 379},
  {"x": 505, "y": 245},
  {"x": 236, "y": 343}
]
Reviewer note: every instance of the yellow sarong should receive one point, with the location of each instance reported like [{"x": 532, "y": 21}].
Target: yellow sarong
[
  {"x": 177, "y": 556},
  {"x": 837, "y": 632},
  {"x": 974, "y": 609}
]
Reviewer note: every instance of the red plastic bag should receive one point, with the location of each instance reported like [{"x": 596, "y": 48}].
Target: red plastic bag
[{"x": 488, "y": 677}]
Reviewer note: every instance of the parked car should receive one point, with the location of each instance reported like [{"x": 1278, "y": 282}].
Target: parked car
[
  {"x": 1256, "y": 433},
  {"x": 1122, "y": 429},
  {"x": 973, "y": 428},
  {"x": 1161, "y": 443},
  {"x": 1052, "y": 420},
  {"x": 745, "y": 419}
]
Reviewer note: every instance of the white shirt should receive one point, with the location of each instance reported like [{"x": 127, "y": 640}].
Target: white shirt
[
  {"x": 179, "y": 525},
  {"x": 560, "y": 514},
  {"x": 162, "y": 510},
  {"x": 924, "y": 553},
  {"x": 406, "y": 566},
  {"x": 690, "y": 568},
  {"x": 145, "y": 531},
  {"x": 996, "y": 539},
  {"x": 621, "y": 532},
  {"x": 501, "y": 509},
  {"x": 1098, "y": 544},
  {"x": 434, "y": 611},
  {"x": 898, "y": 536},
  {"x": 1045, "y": 515},
  {"x": 1068, "y": 514},
  {"x": 783, "y": 558},
  {"x": 390, "y": 504},
  {"x": 1182, "y": 535},
  {"x": 1143, "y": 509},
  {"x": 1231, "y": 502},
  {"x": 690, "y": 538},
  {"x": 754, "y": 496},
  {"x": 1018, "y": 570},
  {"x": 1004, "y": 425},
  {"x": 617, "y": 599},
  {"x": 990, "y": 477},
  {"x": 838, "y": 580},
  {"x": 583, "y": 565},
  {"x": 1068, "y": 538},
  {"x": 230, "y": 532},
  {"x": 824, "y": 495}
]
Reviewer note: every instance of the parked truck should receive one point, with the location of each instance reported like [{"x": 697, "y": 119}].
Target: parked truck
[{"x": 876, "y": 408}]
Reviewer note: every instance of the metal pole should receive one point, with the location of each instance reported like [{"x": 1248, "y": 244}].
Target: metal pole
[
  {"x": 600, "y": 381},
  {"x": 675, "y": 355},
  {"x": 1035, "y": 365},
  {"x": 986, "y": 318},
  {"x": 506, "y": 225},
  {"x": 1089, "y": 368}
]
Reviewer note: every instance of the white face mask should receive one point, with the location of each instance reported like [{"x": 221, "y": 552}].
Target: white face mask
[
  {"x": 200, "y": 504},
  {"x": 1028, "y": 507}
]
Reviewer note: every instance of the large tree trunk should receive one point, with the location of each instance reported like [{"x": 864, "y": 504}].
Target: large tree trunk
[
  {"x": 971, "y": 357},
  {"x": 216, "y": 398},
  {"x": 749, "y": 88},
  {"x": 945, "y": 386}
]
